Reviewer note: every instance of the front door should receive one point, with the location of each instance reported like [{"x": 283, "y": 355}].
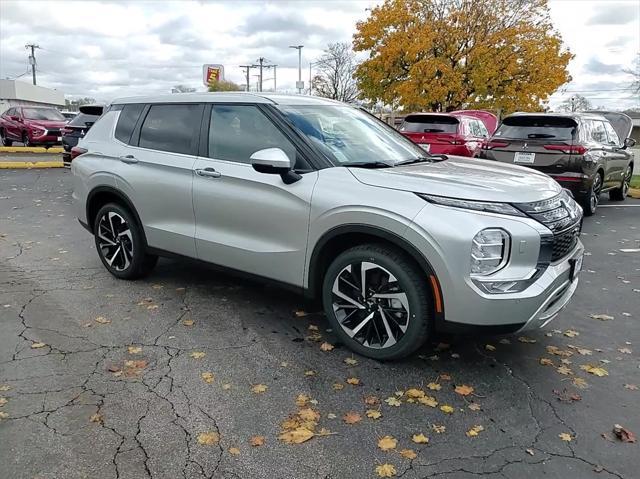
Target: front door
[{"x": 245, "y": 220}]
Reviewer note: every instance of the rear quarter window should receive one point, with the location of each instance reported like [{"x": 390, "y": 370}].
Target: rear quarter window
[
  {"x": 532, "y": 127},
  {"x": 127, "y": 121},
  {"x": 429, "y": 124}
]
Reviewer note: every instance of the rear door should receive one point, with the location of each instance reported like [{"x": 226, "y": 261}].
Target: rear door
[
  {"x": 14, "y": 127},
  {"x": 155, "y": 170},
  {"x": 543, "y": 142},
  {"x": 246, "y": 220},
  {"x": 617, "y": 158}
]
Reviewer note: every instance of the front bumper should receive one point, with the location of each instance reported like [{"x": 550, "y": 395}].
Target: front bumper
[
  {"x": 45, "y": 139},
  {"x": 445, "y": 237}
]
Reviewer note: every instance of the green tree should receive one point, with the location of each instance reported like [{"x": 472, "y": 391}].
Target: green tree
[
  {"x": 448, "y": 54},
  {"x": 223, "y": 85}
]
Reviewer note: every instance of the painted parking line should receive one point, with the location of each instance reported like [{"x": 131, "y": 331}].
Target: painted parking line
[
  {"x": 6, "y": 165},
  {"x": 30, "y": 149},
  {"x": 619, "y": 206}
]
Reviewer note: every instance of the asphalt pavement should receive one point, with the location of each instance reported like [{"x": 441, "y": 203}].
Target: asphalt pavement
[{"x": 163, "y": 377}]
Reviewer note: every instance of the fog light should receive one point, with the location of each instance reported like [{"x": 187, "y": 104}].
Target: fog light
[{"x": 489, "y": 251}]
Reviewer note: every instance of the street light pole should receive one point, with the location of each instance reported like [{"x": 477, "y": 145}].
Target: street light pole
[{"x": 299, "y": 85}]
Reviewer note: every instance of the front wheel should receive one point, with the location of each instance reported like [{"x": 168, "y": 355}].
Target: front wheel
[
  {"x": 25, "y": 139},
  {"x": 120, "y": 243},
  {"x": 591, "y": 200},
  {"x": 619, "y": 194},
  {"x": 377, "y": 301},
  {"x": 5, "y": 140}
]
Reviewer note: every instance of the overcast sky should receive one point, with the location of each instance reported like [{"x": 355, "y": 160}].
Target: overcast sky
[{"x": 110, "y": 49}]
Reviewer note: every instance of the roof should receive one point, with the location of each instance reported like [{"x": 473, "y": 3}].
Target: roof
[
  {"x": 230, "y": 97},
  {"x": 574, "y": 115}
]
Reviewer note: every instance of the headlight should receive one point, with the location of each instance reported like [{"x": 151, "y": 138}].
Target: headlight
[
  {"x": 499, "y": 208},
  {"x": 489, "y": 251},
  {"x": 38, "y": 131}
]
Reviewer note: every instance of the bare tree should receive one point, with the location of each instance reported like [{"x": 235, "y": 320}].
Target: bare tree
[
  {"x": 335, "y": 73},
  {"x": 182, "y": 89},
  {"x": 576, "y": 103},
  {"x": 635, "y": 74}
]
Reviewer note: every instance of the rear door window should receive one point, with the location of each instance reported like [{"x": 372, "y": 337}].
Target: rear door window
[
  {"x": 534, "y": 127},
  {"x": 171, "y": 128},
  {"x": 238, "y": 131},
  {"x": 127, "y": 121},
  {"x": 429, "y": 124},
  {"x": 598, "y": 132},
  {"x": 613, "y": 136}
]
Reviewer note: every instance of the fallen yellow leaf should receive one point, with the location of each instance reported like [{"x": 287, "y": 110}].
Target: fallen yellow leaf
[
  {"x": 546, "y": 362},
  {"x": 234, "y": 451},
  {"x": 434, "y": 386},
  {"x": 353, "y": 381},
  {"x": 188, "y": 322},
  {"x": 3, "y": 401},
  {"x": 373, "y": 414},
  {"x": 37, "y": 345},
  {"x": 580, "y": 383},
  {"x": 310, "y": 372},
  {"x": 326, "y": 346},
  {"x": 5, "y": 387},
  {"x": 463, "y": 390},
  {"x": 256, "y": 441},
  {"x": 420, "y": 438},
  {"x": 134, "y": 349},
  {"x": 198, "y": 354},
  {"x": 97, "y": 418},
  {"x": 387, "y": 442},
  {"x": 408, "y": 454},
  {"x": 207, "y": 377},
  {"x": 602, "y": 317},
  {"x": 259, "y": 388},
  {"x": 570, "y": 333},
  {"x": 565, "y": 436},
  {"x": 474, "y": 406},
  {"x": 595, "y": 370},
  {"x": 309, "y": 414},
  {"x": 351, "y": 417},
  {"x": 338, "y": 386},
  {"x": 415, "y": 393},
  {"x": 102, "y": 320},
  {"x": 3, "y": 415},
  {"x": 226, "y": 386},
  {"x": 371, "y": 400},
  {"x": 386, "y": 470},
  {"x": 393, "y": 401},
  {"x": 351, "y": 361},
  {"x": 524, "y": 339},
  {"x": 564, "y": 370},
  {"x": 474, "y": 431},
  {"x": 447, "y": 409},
  {"x": 302, "y": 400},
  {"x": 296, "y": 436},
  {"x": 438, "y": 428},
  {"x": 208, "y": 438},
  {"x": 428, "y": 401}
]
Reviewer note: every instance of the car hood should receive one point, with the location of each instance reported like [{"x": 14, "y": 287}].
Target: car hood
[
  {"x": 470, "y": 179},
  {"x": 47, "y": 123}
]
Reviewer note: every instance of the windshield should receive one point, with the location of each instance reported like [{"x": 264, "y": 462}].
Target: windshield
[
  {"x": 429, "y": 124},
  {"x": 42, "y": 114},
  {"x": 531, "y": 127},
  {"x": 346, "y": 135}
]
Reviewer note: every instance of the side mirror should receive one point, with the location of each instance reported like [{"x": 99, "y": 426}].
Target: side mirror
[
  {"x": 15, "y": 118},
  {"x": 274, "y": 161},
  {"x": 628, "y": 143}
]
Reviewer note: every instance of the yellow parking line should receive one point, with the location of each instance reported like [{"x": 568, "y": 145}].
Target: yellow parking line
[
  {"x": 30, "y": 149},
  {"x": 30, "y": 164}
]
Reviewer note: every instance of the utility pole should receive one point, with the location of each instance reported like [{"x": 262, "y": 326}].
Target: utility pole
[
  {"x": 32, "y": 59},
  {"x": 246, "y": 71},
  {"x": 299, "y": 85},
  {"x": 260, "y": 65}
]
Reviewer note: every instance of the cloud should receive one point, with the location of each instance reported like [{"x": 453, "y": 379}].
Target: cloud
[
  {"x": 615, "y": 14},
  {"x": 595, "y": 66}
]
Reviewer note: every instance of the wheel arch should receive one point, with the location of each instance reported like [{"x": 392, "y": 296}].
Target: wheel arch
[
  {"x": 341, "y": 238},
  {"x": 100, "y": 196}
]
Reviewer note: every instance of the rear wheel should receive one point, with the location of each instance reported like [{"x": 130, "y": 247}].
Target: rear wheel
[
  {"x": 120, "y": 243},
  {"x": 619, "y": 194},
  {"x": 590, "y": 202},
  {"x": 5, "y": 140},
  {"x": 377, "y": 301}
]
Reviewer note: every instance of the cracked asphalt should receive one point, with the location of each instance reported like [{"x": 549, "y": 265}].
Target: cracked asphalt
[{"x": 75, "y": 408}]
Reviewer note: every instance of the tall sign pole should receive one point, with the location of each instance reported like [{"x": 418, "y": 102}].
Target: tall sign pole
[{"x": 299, "y": 84}]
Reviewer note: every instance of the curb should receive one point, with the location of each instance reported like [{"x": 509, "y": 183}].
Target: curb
[
  {"x": 30, "y": 149},
  {"x": 634, "y": 193},
  {"x": 6, "y": 165}
]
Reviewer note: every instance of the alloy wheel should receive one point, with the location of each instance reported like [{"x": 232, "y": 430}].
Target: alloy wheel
[
  {"x": 595, "y": 192},
  {"x": 115, "y": 241},
  {"x": 626, "y": 182},
  {"x": 370, "y": 305}
]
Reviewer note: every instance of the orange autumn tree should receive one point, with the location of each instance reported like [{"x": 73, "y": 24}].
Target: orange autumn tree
[{"x": 440, "y": 55}]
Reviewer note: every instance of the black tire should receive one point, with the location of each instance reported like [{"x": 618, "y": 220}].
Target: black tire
[
  {"x": 132, "y": 262},
  {"x": 5, "y": 140},
  {"x": 25, "y": 139},
  {"x": 409, "y": 280},
  {"x": 620, "y": 194},
  {"x": 590, "y": 202}
]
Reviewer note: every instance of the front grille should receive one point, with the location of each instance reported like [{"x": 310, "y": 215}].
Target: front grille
[
  {"x": 53, "y": 132},
  {"x": 564, "y": 242},
  {"x": 562, "y": 215}
]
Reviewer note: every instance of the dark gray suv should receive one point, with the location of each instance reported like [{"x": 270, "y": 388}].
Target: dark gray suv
[{"x": 587, "y": 153}]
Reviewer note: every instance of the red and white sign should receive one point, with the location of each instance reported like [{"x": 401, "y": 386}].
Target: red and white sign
[{"x": 212, "y": 73}]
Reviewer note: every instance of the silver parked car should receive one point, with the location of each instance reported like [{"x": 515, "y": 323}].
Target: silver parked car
[{"x": 327, "y": 199}]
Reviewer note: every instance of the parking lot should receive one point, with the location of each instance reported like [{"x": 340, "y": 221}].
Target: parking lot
[{"x": 191, "y": 372}]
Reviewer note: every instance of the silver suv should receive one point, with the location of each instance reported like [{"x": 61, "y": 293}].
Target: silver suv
[{"x": 327, "y": 199}]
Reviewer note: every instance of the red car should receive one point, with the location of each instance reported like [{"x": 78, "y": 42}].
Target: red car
[
  {"x": 458, "y": 133},
  {"x": 31, "y": 126}
]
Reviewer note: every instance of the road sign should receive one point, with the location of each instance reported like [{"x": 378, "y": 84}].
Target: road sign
[{"x": 212, "y": 73}]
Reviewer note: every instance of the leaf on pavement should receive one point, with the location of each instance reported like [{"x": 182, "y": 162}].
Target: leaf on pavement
[
  {"x": 595, "y": 370},
  {"x": 309, "y": 415},
  {"x": 564, "y": 370},
  {"x": 5, "y": 387},
  {"x": 188, "y": 322},
  {"x": 256, "y": 441},
  {"x": 408, "y": 454},
  {"x": 350, "y": 361},
  {"x": 326, "y": 346},
  {"x": 3, "y": 401},
  {"x": 37, "y": 345},
  {"x": 434, "y": 386},
  {"x": 439, "y": 428},
  {"x": 302, "y": 400},
  {"x": 387, "y": 442},
  {"x": 207, "y": 377},
  {"x": 420, "y": 439},
  {"x": 97, "y": 418},
  {"x": 353, "y": 381},
  {"x": 580, "y": 383},
  {"x": 623, "y": 434},
  {"x": 570, "y": 333},
  {"x": 371, "y": 400},
  {"x": 198, "y": 354},
  {"x": 474, "y": 406},
  {"x": 134, "y": 349},
  {"x": 631, "y": 387},
  {"x": 474, "y": 431},
  {"x": 463, "y": 390},
  {"x": 3, "y": 415},
  {"x": 445, "y": 408},
  {"x": 386, "y": 470},
  {"x": 234, "y": 451},
  {"x": 352, "y": 417},
  {"x": 296, "y": 436},
  {"x": 258, "y": 388},
  {"x": 415, "y": 393},
  {"x": 310, "y": 372},
  {"x": 624, "y": 350},
  {"x": 393, "y": 401},
  {"x": 373, "y": 414},
  {"x": 428, "y": 401},
  {"x": 102, "y": 320},
  {"x": 525, "y": 339},
  {"x": 301, "y": 314},
  {"x": 565, "y": 436},
  {"x": 489, "y": 347},
  {"x": 338, "y": 386},
  {"x": 546, "y": 362},
  {"x": 602, "y": 317},
  {"x": 208, "y": 438}
]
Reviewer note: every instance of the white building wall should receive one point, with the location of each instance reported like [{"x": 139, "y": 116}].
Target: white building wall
[{"x": 19, "y": 93}]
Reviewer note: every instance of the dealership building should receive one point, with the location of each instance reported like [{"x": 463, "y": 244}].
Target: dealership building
[{"x": 18, "y": 93}]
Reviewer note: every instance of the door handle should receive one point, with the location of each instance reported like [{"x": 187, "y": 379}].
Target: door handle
[
  {"x": 208, "y": 173},
  {"x": 129, "y": 159}
]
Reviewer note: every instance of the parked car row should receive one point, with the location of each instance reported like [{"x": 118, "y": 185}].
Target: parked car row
[{"x": 587, "y": 153}]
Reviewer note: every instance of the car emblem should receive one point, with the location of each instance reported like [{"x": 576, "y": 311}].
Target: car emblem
[
  {"x": 525, "y": 146},
  {"x": 81, "y": 132}
]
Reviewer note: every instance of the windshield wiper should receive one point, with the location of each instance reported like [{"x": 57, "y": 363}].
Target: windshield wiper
[
  {"x": 421, "y": 159},
  {"x": 370, "y": 164}
]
